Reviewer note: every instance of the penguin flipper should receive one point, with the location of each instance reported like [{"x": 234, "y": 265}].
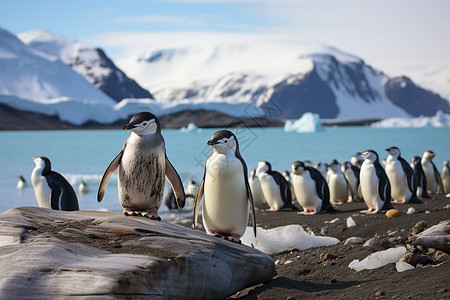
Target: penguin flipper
[
  {"x": 108, "y": 173},
  {"x": 198, "y": 200},
  {"x": 176, "y": 183},
  {"x": 55, "y": 194},
  {"x": 440, "y": 184},
  {"x": 411, "y": 180},
  {"x": 252, "y": 205},
  {"x": 384, "y": 187},
  {"x": 68, "y": 200}
]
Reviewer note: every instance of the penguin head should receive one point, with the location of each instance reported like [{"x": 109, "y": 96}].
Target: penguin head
[
  {"x": 416, "y": 160},
  {"x": 43, "y": 163},
  {"x": 346, "y": 166},
  {"x": 263, "y": 167},
  {"x": 369, "y": 155},
  {"x": 393, "y": 151},
  {"x": 298, "y": 167},
  {"x": 143, "y": 123},
  {"x": 335, "y": 166},
  {"x": 223, "y": 141},
  {"x": 428, "y": 155}
]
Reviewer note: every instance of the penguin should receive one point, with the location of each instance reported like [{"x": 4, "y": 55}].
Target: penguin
[
  {"x": 255, "y": 187},
  {"x": 416, "y": 165},
  {"x": 356, "y": 161},
  {"x": 83, "y": 188},
  {"x": 226, "y": 190},
  {"x": 352, "y": 177},
  {"x": 337, "y": 184},
  {"x": 191, "y": 191},
  {"x": 21, "y": 183},
  {"x": 170, "y": 201},
  {"x": 401, "y": 177},
  {"x": 51, "y": 189},
  {"x": 374, "y": 183},
  {"x": 321, "y": 167},
  {"x": 276, "y": 190},
  {"x": 311, "y": 189},
  {"x": 287, "y": 176},
  {"x": 445, "y": 176},
  {"x": 434, "y": 181},
  {"x": 143, "y": 164}
]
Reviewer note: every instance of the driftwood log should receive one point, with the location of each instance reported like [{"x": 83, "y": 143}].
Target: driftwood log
[{"x": 54, "y": 254}]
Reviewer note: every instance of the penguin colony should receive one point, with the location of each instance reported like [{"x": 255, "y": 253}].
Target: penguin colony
[{"x": 230, "y": 193}]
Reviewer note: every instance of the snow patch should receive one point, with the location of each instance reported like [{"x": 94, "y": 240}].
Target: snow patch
[
  {"x": 284, "y": 238},
  {"x": 378, "y": 259}
]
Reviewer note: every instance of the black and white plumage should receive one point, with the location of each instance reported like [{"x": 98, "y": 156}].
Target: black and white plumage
[
  {"x": 337, "y": 183},
  {"x": 445, "y": 176},
  {"x": 225, "y": 189},
  {"x": 143, "y": 166},
  {"x": 191, "y": 191},
  {"x": 275, "y": 188},
  {"x": 21, "y": 183},
  {"x": 51, "y": 189},
  {"x": 401, "y": 177},
  {"x": 416, "y": 165},
  {"x": 374, "y": 183},
  {"x": 311, "y": 189},
  {"x": 434, "y": 180},
  {"x": 351, "y": 174}
]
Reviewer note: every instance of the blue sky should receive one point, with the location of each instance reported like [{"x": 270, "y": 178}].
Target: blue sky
[{"x": 392, "y": 35}]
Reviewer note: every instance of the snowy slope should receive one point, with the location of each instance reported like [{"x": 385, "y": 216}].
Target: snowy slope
[
  {"x": 91, "y": 63},
  {"x": 288, "y": 78},
  {"x": 29, "y": 74}
]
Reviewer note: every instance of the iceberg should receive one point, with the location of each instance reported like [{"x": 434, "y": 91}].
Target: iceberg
[
  {"x": 439, "y": 120},
  {"x": 284, "y": 238},
  {"x": 309, "y": 122},
  {"x": 191, "y": 127}
]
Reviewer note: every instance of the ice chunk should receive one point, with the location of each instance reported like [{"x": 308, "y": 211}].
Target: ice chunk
[
  {"x": 284, "y": 238},
  {"x": 378, "y": 259},
  {"x": 309, "y": 122},
  {"x": 401, "y": 266},
  {"x": 411, "y": 211},
  {"x": 350, "y": 222},
  {"x": 439, "y": 120},
  {"x": 191, "y": 127}
]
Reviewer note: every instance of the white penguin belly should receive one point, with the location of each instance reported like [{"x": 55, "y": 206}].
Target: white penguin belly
[
  {"x": 445, "y": 175},
  {"x": 369, "y": 186},
  {"x": 225, "y": 206},
  {"x": 142, "y": 178},
  {"x": 305, "y": 191},
  {"x": 255, "y": 187},
  {"x": 271, "y": 191},
  {"x": 338, "y": 188},
  {"x": 397, "y": 178},
  {"x": 429, "y": 175},
  {"x": 41, "y": 190}
]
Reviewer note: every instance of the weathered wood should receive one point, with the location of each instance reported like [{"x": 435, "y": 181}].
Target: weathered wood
[{"x": 46, "y": 253}]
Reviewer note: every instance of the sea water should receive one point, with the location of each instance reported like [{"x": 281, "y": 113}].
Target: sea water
[{"x": 85, "y": 154}]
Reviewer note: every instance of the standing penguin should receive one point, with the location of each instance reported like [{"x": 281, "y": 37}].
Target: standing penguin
[
  {"x": 276, "y": 190},
  {"x": 445, "y": 175},
  {"x": 321, "y": 167},
  {"x": 311, "y": 189},
  {"x": 21, "y": 183},
  {"x": 337, "y": 183},
  {"x": 374, "y": 183},
  {"x": 416, "y": 165},
  {"x": 255, "y": 187},
  {"x": 52, "y": 190},
  {"x": 401, "y": 177},
  {"x": 191, "y": 191},
  {"x": 83, "y": 188},
  {"x": 226, "y": 191},
  {"x": 352, "y": 177},
  {"x": 434, "y": 181},
  {"x": 142, "y": 165}
]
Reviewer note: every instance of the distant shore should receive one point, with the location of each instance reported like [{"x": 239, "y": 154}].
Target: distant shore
[{"x": 14, "y": 120}]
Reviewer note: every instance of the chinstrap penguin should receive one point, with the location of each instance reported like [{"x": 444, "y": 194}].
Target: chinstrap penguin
[
  {"x": 351, "y": 174},
  {"x": 191, "y": 191},
  {"x": 401, "y": 177},
  {"x": 143, "y": 166},
  {"x": 416, "y": 165},
  {"x": 434, "y": 181},
  {"x": 225, "y": 189},
  {"x": 276, "y": 190},
  {"x": 255, "y": 187},
  {"x": 445, "y": 175},
  {"x": 52, "y": 190},
  {"x": 374, "y": 183},
  {"x": 311, "y": 189},
  {"x": 338, "y": 185},
  {"x": 21, "y": 183}
]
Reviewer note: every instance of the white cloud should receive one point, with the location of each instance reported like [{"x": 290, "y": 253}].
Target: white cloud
[{"x": 178, "y": 20}]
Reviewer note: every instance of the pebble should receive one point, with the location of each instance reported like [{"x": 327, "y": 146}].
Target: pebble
[
  {"x": 350, "y": 222},
  {"x": 354, "y": 240},
  {"x": 392, "y": 213},
  {"x": 419, "y": 227},
  {"x": 411, "y": 211}
]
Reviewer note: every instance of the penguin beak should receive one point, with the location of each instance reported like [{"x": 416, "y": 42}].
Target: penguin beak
[
  {"x": 129, "y": 126},
  {"x": 358, "y": 153},
  {"x": 212, "y": 142}
]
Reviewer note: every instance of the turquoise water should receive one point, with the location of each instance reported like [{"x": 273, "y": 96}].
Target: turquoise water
[{"x": 86, "y": 154}]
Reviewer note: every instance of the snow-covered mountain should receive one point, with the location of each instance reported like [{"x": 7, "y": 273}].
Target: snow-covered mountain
[
  {"x": 90, "y": 62},
  {"x": 286, "y": 79},
  {"x": 32, "y": 75}
]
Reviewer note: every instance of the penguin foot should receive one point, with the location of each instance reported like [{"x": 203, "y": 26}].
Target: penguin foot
[
  {"x": 132, "y": 213},
  {"x": 233, "y": 238},
  {"x": 370, "y": 211},
  {"x": 153, "y": 217},
  {"x": 307, "y": 212}
]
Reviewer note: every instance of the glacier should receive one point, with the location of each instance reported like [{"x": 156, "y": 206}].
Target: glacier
[{"x": 439, "y": 120}]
